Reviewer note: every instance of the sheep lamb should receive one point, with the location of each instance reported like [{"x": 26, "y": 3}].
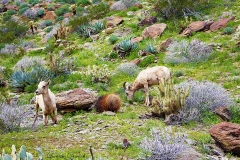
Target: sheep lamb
[{"x": 145, "y": 79}]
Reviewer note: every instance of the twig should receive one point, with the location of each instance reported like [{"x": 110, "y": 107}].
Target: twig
[{"x": 91, "y": 152}]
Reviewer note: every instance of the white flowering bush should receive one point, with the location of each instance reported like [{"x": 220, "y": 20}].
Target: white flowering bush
[
  {"x": 27, "y": 62},
  {"x": 164, "y": 144},
  {"x": 185, "y": 52},
  {"x": 9, "y": 49},
  {"x": 11, "y": 116},
  {"x": 128, "y": 68}
]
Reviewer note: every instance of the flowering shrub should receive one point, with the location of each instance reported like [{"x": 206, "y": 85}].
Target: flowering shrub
[
  {"x": 184, "y": 52},
  {"x": 9, "y": 49},
  {"x": 164, "y": 144},
  {"x": 27, "y": 62},
  {"x": 11, "y": 117},
  {"x": 203, "y": 96},
  {"x": 128, "y": 68}
]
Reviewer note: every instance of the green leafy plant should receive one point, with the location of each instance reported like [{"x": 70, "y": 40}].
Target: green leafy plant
[
  {"x": 40, "y": 12},
  {"x": 60, "y": 18},
  {"x": 113, "y": 39},
  {"x": 86, "y": 30},
  {"x": 228, "y": 30},
  {"x": 124, "y": 47},
  {"x": 83, "y": 2},
  {"x": 151, "y": 49},
  {"x": 22, "y": 154},
  {"x": 147, "y": 61},
  {"x": 62, "y": 10}
]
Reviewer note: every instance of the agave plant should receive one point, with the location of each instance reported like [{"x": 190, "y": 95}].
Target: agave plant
[
  {"x": 124, "y": 47},
  {"x": 98, "y": 27},
  {"x": 151, "y": 49}
]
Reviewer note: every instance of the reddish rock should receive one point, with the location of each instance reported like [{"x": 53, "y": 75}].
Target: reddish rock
[
  {"x": 109, "y": 30},
  {"x": 136, "y": 39},
  {"x": 148, "y": 21},
  {"x": 50, "y": 15},
  {"x": 68, "y": 15},
  {"x": 114, "y": 21},
  {"x": 196, "y": 26},
  {"x": 207, "y": 25},
  {"x": 220, "y": 23},
  {"x": 138, "y": 5},
  {"x": 154, "y": 30},
  {"x": 76, "y": 99},
  {"x": 224, "y": 113},
  {"x": 164, "y": 45},
  {"x": 14, "y": 7},
  {"x": 227, "y": 136},
  {"x": 110, "y": 3}
]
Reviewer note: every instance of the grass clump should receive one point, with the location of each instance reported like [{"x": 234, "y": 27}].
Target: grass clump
[{"x": 113, "y": 39}]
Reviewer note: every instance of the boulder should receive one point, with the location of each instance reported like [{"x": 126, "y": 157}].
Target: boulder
[
  {"x": 207, "y": 25},
  {"x": 154, "y": 30},
  {"x": 72, "y": 100},
  {"x": 136, "y": 39},
  {"x": 164, "y": 45},
  {"x": 114, "y": 21},
  {"x": 49, "y": 15},
  {"x": 13, "y": 7},
  {"x": 148, "y": 21},
  {"x": 109, "y": 30},
  {"x": 196, "y": 26},
  {"x": 220, "y": 23},
  {"x": 68, "y": 15},
  {"x": 121, "y": 32},
  {"x": 227, "y": 136},
  {"x": 224, "y": 113}
]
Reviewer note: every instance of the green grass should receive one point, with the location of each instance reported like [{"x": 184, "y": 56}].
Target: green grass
[{"x": 76, "y": 132}]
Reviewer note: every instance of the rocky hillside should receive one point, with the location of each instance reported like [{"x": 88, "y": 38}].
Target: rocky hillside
[{"x": 92, "y": 50}]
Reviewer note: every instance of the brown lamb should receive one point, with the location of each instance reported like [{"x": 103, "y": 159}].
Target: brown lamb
[{"x": 109, "y": 102}]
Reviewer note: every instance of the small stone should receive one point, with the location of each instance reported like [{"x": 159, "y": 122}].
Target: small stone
[{"x": 109, "y": 113}]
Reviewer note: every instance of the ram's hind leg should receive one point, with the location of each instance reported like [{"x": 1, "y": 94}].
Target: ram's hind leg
[
  {"x": 45, "y": 119},
  {"x": 54, "y": 117},
  {"x": 147, "y": 102}
]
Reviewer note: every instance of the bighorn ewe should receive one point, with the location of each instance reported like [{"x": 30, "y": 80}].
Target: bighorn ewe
[
  {"x": 145, "y": 79},
  {"x": 45, "y": 99}
]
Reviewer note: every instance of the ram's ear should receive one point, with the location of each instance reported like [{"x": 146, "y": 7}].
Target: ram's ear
[
  {"x": 124, "y": 85},
  {"x": 47, "y": 80}
]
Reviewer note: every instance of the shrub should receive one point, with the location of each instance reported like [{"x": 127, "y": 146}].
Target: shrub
[
  {"x": 228, "y": 30},
  {"x": 118, "y": 6},
  {"x": 45, "y": 23},
  {"x": 173, "y": 9},
  {"x": 10, "y": 12},
  {"x": 9, "y": 49},
  {"x": 113, "y": 55},
  {"x": 146, "y": 61},
  {"x": 164, "y": 144},
  {"x": 49, "y": 29},
  {"x": 24, "y": 5},
  {"x": 27, "y": 45},
  {"x": 31, "y": 13},
  {"x": 28, "y": 62},
  {"x": 204, "y": 96},
  {"x": 113, "y": 39},
  {"x": 128, "y": 68},
  {"x": 62, "y": 10},
  {"x": 33, "y": 2},
  {"x": 60, "y": 18},
  {"x": 40, "y": 12},
  {"x": 22, "y": 10},
  {"x": 83, "y": 2},
  {"x": 150, "y": 48},
  {"x": 130, "y": 3},
  {"x": 11, "y": 117},
  {"x": 21, "y": 79},
  {"x": 86, "y": 30},
  {"x": 183, "y": 52},
  {"x": 101, "y": 9}
]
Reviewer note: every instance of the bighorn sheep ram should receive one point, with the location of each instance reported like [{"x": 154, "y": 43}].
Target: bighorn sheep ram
[
  {"x": 45, "y": 99},
  {"x": 145, "y": 79}
]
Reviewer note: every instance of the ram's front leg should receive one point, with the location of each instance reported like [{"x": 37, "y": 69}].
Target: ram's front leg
[{"x": 147, "y": 102}]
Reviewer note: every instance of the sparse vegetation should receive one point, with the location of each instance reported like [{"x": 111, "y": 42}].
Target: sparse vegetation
[{"x": 100, "y": 63}]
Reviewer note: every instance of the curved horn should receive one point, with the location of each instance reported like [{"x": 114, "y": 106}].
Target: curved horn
[{"x": 124, "y": 85}]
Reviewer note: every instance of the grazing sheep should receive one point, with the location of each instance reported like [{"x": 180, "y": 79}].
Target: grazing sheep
[
  {"x": 45, "y": 99},
  {"x": 145, "y": 79}
]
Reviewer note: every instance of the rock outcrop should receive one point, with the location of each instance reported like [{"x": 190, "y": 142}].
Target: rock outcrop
[
  {"x": 154, "y": 30},
  {"x": 227, "y": 136},
  {"x": 220, "y": 23},
  {"x": 73, "y": 100}
]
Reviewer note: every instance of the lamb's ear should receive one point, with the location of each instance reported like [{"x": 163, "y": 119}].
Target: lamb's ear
[{"x": 126, "y": 85}]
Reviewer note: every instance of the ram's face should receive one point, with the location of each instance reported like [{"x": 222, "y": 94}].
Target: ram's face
[{"x": 128, "y": 90}]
